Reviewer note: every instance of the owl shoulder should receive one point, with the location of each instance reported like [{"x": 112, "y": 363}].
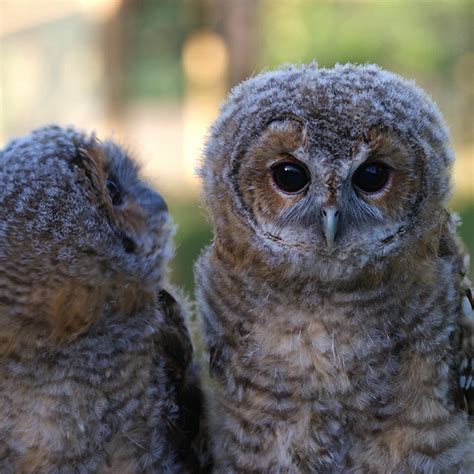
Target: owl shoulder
[{"x": 462, "y": 336}]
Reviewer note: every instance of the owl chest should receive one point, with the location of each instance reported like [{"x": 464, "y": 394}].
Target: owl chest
[
  {"x": 306, "y": 378},
  {"x": 317, "y": 379},
  {"x": 301, "y": 354}
]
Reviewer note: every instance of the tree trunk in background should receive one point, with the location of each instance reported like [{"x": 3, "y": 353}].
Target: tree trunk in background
[
  {"x": 114, "y": 57},
  {"x": 237, "y": 21}
]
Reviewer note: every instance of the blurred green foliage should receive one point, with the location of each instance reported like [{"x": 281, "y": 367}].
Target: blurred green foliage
[
  {"x": 194, "y": 234},
  {"x": 419, "y": 38},
  {"x": 156, "y": 32}
]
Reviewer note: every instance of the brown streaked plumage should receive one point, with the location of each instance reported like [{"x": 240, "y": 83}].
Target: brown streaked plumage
[
  {"x": 96, "y": 369},
  {"x": 334, "y": 295}
]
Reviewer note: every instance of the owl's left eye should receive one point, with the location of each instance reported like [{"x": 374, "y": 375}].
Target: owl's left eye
[
  {"x": 290, "y": 177},
  {"x": 371, "y": 177},
  {"x": 115, "y": 193}
]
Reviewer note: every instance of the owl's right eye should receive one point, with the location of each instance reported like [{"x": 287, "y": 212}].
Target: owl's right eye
[{"x": 290, "y": 177}]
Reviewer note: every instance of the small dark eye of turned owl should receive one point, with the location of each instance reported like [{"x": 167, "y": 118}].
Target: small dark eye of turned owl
[
  {"x": 128, "y": 244},
  {"x": 115, "y": 192}
]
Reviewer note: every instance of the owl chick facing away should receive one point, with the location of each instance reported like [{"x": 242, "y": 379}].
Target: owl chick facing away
[
  {"x": 334, "y": 295},
  {"x": 95, "y": 358}
]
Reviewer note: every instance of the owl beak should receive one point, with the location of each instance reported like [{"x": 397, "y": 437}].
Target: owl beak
[{"x": 330, "y": 221}]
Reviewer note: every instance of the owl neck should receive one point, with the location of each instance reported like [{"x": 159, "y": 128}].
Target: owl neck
[
  {"x": 365, "y": 299},
  {"x": 279, "y": 275}
]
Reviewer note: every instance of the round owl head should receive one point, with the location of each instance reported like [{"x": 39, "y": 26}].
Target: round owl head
[
  {"x": 76, "y": 223},
  {"x": 329, "y": 171}
]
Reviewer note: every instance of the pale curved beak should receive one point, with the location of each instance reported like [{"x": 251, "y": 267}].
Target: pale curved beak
[{"x": 330, "y": 221}]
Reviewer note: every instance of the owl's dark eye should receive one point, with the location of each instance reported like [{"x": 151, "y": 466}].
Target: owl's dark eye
[
  {"x": 115, "y": 193},
  {"x": 371, "y": 177},
  {"x": 290, "y": 177}
]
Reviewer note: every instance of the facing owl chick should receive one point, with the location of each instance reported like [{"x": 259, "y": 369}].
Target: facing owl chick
[
  {"x": 95, "y": 358},
  {"x": 334, "y": 297}
]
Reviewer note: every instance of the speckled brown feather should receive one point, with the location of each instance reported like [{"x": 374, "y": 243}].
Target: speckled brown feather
[
  {"x": 96, "y": 370},
  {"x": 343, "y": 358}
]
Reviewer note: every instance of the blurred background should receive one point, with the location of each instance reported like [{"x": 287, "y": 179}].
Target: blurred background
[{"x": 152, "y": 73}]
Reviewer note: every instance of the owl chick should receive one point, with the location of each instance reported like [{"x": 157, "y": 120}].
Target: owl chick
[
  {"x": 95, "y": 358},
  {"x": 334, "y": 297}
]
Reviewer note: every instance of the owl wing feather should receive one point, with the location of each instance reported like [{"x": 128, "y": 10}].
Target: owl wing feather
[
  {"x": 186, "y": 433},
  {"x": 466, "y": 349},
  {"x": 463, "y": 334}
]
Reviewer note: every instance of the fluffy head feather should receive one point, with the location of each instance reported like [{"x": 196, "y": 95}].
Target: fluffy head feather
[{"x": 77, "y": 227}]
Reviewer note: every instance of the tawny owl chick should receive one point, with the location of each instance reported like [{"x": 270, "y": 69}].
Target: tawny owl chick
[
  {"x": 95, "y": 358},
  {"x": 334, "y": 297}
]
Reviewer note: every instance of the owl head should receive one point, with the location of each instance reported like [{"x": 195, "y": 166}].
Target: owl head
[
  {"x": 330, "y": 172},
  {"x": 78, "y": 227}
]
